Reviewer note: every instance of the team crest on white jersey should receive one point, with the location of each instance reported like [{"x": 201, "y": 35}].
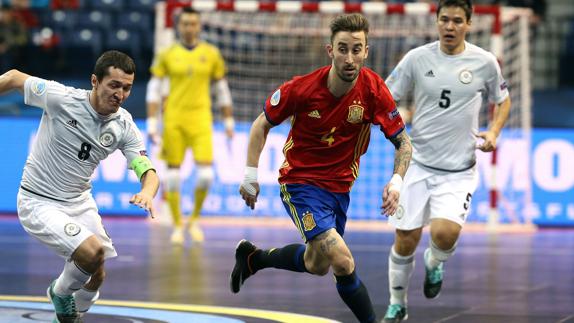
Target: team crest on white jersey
[
  {"x": 355, "y": 112},
  {"x": 107, "y": 139},
  {"x": 465, "y": 77},
  {"x": 275, "y": 97},
  {"x": 38, "y": 87}
]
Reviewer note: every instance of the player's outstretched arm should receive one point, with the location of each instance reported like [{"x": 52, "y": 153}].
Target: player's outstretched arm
[
  {"x": 149, "y": 187},
  {"x": 249, "y": 188},
  {"x": 500, "y": 116},
  {"x": 391, "y": 192},
  {"x": 223, "y": 95},
  {"x": 153, "y": 101},
  {"x": 12, "y": 80}
]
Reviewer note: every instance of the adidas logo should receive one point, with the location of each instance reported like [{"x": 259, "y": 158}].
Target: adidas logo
[
  {"x": 429, "y": 74},
  {"x": 314, "y": 114},
  {"x": 72, "y": 123}
]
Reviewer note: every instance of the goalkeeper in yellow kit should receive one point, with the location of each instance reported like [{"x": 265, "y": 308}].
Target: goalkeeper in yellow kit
[{"x": 192, "y": 66}]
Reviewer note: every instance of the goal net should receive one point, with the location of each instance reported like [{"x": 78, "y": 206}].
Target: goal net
[{"x": 267, "y": 43}]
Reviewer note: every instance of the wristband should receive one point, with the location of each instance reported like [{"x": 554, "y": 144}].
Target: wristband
[
  {"x": 396, "y": 183},
  {"x": 151, "y": 124},
  {"x": 250, "y": 174},
  {"x": 229, "y": 123}
]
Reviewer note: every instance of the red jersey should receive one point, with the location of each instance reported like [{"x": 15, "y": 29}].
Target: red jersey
[{"x": 329, "y": 134}]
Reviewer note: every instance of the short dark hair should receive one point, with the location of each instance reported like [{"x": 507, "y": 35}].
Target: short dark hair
[
  {"x": 349, "y": 22},
  {"x": 465, "y": 5},
  {"x": 116, "y": 59},
  {"x": 189, "y": 10}
]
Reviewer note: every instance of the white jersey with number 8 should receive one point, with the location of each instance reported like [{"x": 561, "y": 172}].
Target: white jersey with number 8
[{"x": 71, "y": 141}]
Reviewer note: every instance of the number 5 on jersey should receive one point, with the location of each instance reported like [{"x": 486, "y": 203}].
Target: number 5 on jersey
[{"x": 444, "y": 99}]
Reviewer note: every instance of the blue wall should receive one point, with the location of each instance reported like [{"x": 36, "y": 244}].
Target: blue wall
[{"x": 545, "y": 170}]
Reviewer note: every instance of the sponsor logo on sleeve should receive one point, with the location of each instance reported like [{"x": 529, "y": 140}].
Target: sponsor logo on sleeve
[
  {"x": 276, "y": 97},
  {"x": 503, "y": 86},
  {"x": 38, "y": 87},
  {"x": 393, "y": 114}
]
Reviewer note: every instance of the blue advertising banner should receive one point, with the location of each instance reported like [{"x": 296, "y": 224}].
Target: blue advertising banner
[{"x": 535, "y": 180}]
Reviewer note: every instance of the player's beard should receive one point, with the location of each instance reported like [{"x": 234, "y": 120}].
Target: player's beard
[{"x": 345, "y": 77}]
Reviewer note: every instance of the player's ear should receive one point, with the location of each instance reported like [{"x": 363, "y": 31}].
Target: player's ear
[
  {"x": 366, "y": 51},
  {"x": 329, "y": 49},
  {"x": 94, "y": 81}
]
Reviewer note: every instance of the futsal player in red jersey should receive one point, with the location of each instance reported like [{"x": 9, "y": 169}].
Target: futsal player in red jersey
[{"x": 332, "y": 110}]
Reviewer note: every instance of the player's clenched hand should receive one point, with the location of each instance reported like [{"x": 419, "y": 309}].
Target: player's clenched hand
[
  {"x": 229, "y": 133},
  {"x": 390, "y": 201},
  {"x": 489, "y": 143},
  {"x": 391, "y": 195},
  {"x": 249, "y": 192},
  {"x": 144, "y": 201}
]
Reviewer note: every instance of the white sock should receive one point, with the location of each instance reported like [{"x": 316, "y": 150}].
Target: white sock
[
  {"x": 400, "y": 272},
  {"x": 85, "y": 299},
  {"x": 71, "y": 279},
  {"x": 437, "y": 255}
]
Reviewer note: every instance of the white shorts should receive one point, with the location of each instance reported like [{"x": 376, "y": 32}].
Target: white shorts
[
  {"x": 427, "y": 195},
  {"x": 62, "y": 226}
]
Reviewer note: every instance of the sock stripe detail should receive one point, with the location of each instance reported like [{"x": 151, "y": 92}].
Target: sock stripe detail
[
  {"x": 82, "y": 270},
  {"x": 402, "y": 260}
]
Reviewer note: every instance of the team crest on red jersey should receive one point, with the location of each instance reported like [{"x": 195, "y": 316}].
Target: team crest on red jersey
[
  {"x": 355, "y": 113},
  {"x": 308, "y": 221}
]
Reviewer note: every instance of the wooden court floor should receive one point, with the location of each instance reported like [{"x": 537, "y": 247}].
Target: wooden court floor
[{"x": 493, "y": 277}]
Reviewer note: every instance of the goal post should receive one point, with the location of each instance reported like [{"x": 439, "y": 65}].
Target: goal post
[{"x": 267, "y": 43}]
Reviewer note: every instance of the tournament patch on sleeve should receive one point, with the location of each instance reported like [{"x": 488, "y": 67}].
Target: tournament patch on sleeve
[
  {"x": 38, "y": 86},
  {"x": 275, "y": 98},
  {"x": 393, "y": 114}
]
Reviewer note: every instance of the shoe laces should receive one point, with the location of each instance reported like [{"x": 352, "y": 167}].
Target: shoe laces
[
  {"x": 393, "y": 310},
  {"x": 435, "y": 275},
  {"x": 68, "y": 304}
]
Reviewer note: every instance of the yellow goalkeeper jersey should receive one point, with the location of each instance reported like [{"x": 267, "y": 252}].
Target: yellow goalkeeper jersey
[{"x": 190, "y": 73}]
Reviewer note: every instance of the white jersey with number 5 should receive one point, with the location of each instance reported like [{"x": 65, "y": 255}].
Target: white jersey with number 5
[
  {"x": 72, "y": 140},
  {"x": 448, "y": 94}
]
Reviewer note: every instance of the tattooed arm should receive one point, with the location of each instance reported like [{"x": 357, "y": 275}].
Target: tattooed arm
[{"x": 403, "y": 152}]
